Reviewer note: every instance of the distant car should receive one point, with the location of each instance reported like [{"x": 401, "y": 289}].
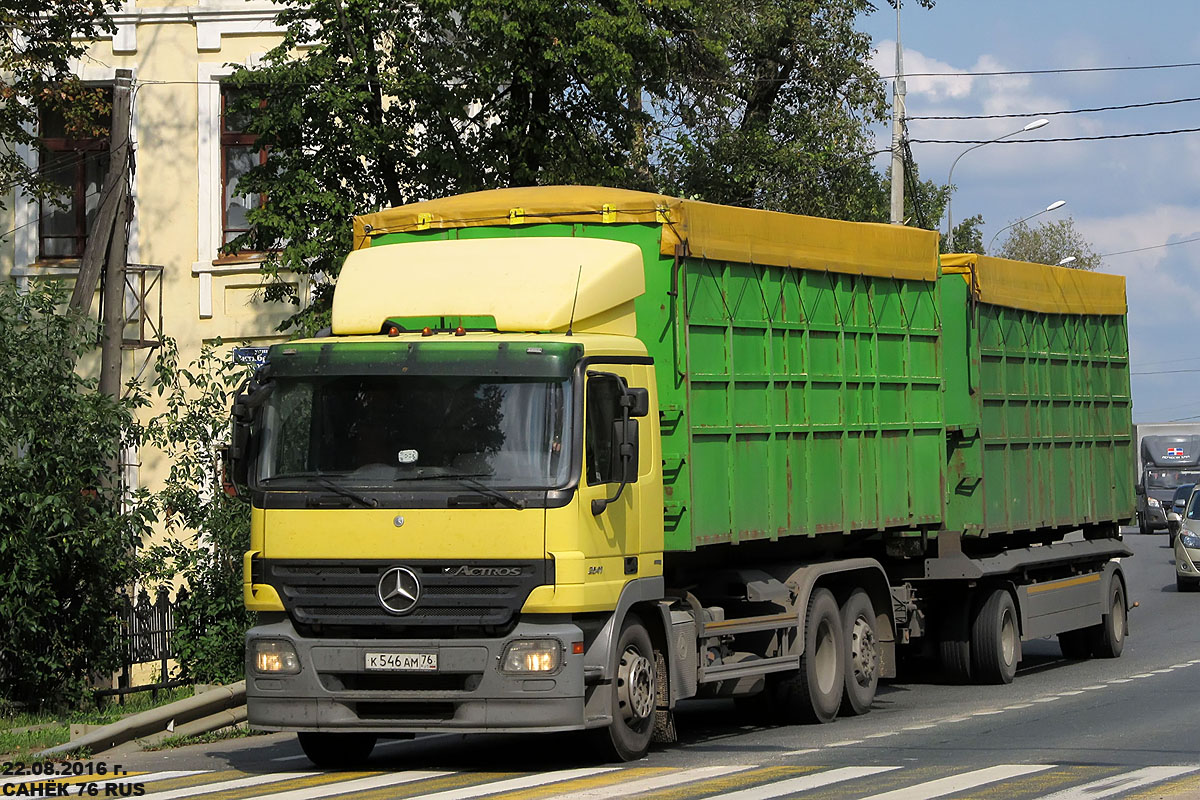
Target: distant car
[
  {"x": 1187, "y": 546},
  {"x": 1178, "y": 506}
]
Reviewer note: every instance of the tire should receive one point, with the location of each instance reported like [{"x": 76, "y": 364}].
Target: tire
[
  {"x": 995, "y": 640},
  {"x": 1143, "y": 528},
  {"x": 634, "y": 693},
  {"x": 814, "y": 693},
  {"x": 862, "y": 654},
  {"x": 1108, "y": 638},
  {"x": 954, "y": 642},
  {"x": 337, "y": 750},
  {"x": 1075, "y": 645}
]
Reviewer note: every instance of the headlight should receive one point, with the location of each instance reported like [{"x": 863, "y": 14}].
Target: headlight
[
  {"x": 1189, "y": 540},
  {"x": 274, "y": 656},
  {"x": 531, "y": 655},
  {"x": 1153, "y": 503}
]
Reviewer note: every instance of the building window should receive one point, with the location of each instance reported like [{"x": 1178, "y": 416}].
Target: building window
[
  {"x": 240, "y": 152},
  {"x": 73, "y": 153}
]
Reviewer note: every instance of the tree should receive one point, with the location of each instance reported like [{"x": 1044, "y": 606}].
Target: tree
[
  {"x": 36, "y": 49},
  {"x": 1049, "y": 243},
  {"x": 66, "y": 541},
  {"x": 735, "y": 101}
]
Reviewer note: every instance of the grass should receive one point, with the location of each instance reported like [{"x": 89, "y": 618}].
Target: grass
[
  {"x": 235, "y": 732},
  {"x": 50, "y": 729}
]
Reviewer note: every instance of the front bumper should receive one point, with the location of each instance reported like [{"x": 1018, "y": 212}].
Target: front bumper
[
  {"x": 468, "y": 693},
  {"x": 1186, "y": 561}
]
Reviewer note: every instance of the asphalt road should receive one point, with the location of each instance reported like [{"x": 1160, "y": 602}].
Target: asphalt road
[{"x": 1103, "y": 728}]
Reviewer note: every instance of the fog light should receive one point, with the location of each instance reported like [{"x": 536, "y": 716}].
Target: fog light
[
  {"x": 531, "y": 655},
  {"x": 275, "y": 656}
]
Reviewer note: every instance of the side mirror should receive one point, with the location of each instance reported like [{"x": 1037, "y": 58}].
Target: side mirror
[
  {"x": 1139, "y": 489},
  {"x": 245, "y": 411},
  {"x": 1174, "y": 522},
  {"x": 637, "y": 400}
]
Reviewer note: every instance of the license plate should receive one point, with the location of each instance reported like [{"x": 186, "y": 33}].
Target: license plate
[{"x": 402, "y": 661}]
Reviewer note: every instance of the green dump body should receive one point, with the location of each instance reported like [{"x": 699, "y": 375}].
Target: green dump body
[{"x": 807, "y": 402}]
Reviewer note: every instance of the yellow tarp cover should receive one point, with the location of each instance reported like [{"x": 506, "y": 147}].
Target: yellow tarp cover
[
  {"x": 722, "y": 233},
  {"x": 1038, "y": 287}
]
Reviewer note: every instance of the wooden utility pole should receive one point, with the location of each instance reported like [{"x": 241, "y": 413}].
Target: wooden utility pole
[
  {"x": 898, "y": 90},
  {"x": 120, "y": 153}
]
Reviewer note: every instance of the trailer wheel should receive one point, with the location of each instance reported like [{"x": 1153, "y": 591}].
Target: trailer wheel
[
  {"x": 336, "y": 750},
  {"x": 995, "y": 640},
  {"x": 634, "y": 692},
  {"x": 1108, "y": 638},
  {"x": 954, "y": 643},
  {"x": 1075, "y": 645},
  {"x": 814, "y": 693},
  {"x": 862, "y": 654}
]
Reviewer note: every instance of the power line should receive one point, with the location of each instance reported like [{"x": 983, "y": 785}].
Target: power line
[
  {"x": 1070, "y": 111},
  {"x": 1062, "y": 139},
  {"x": 1166, "y": 372},
  {"x": 1151, "y": 247},
  {"x": 1062, "y": 71}
]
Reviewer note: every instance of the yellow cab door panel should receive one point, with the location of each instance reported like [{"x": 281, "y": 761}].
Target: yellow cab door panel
[{"x": 597, "y": 554}]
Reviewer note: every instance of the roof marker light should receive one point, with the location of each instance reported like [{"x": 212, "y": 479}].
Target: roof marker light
[{"x": 427, "y": 331}]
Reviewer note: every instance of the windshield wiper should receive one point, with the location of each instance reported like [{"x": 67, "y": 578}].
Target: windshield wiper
[
  {"x": 367, "y": 502},
  {"x": 469, "y": 479}
]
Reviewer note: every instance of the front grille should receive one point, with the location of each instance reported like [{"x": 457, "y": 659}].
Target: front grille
[
  {"x": 400, "y": 682},
  {"x": 339, "y": 598}
]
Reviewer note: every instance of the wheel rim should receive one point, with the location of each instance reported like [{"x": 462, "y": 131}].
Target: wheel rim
[
  {"x": 825, "y": 658},
  {"x": 1008, "y": 640},
  {"x": 863, "y": 654},
  {"x": 635, "y": 686},
  {"x": 1118, "y": 616}
]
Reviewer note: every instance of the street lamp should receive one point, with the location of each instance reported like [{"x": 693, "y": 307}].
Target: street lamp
[
  {"x": 1065, "y": 261},
  {"x": 1037, "y": 123},
  {"x": 1055, "y": 205}
]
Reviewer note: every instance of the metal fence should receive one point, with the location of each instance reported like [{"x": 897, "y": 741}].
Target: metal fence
[{"x": 147, "y": 632}]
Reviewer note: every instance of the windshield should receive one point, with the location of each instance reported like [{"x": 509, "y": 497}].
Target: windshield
[
  {"x": 1169, "y": 478},
  {"x": 381, "y": 431}
]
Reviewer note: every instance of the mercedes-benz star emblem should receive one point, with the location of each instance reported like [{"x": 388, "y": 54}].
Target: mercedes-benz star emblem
[{"x": 399, "y": 590}]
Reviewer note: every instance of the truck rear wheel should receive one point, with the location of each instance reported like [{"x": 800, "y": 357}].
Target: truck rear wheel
[
  {"x": 995, "y": 640},
  {"x": 1108, "y": 638},
  {"x": 862, "y": 654},
  {"x": 634, "y": 692},
  {"x": 336, "y": 750},
  {"x": 814, "y": 694}
]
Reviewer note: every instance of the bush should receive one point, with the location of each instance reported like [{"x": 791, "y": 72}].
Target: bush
[
  {"x": 208, "y": 530},
  {"x": 67, "y": 549}
]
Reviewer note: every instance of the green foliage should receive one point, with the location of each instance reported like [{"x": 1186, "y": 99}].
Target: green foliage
[
  {"x": 35, "y": 73},
  {"x": 207, "y": 530},
  {"x": 66, "y": 546},
  {"x": 1049, "y": 243},
  {"x": 765, "y": 104}
]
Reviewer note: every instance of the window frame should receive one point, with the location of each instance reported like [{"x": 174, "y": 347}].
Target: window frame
[
  {"x": 50, "y": 150},
  {"x": 227, "y": 139}
]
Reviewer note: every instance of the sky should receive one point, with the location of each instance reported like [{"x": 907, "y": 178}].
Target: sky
[{"x": 1123, "y": 194}]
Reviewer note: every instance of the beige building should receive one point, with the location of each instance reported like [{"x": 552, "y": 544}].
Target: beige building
[{"x": 188, "y": 154}]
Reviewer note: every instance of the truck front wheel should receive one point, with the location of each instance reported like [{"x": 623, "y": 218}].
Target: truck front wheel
[
  {"x": 336, "y": 750},
  {"x": 634, "y": 692},
  {"x": 862, "y": 654}
]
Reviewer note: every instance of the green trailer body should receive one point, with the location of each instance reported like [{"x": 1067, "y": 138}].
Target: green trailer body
[{"x": 797, "y": 401}]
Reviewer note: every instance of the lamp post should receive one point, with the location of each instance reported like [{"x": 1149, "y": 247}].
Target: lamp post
[
  {"x": 1055, "y": 205},
  {"x": 1037, "y": 123}
]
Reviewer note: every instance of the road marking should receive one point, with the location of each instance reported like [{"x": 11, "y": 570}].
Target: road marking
[
  {"x": 1121, "y": 680},
  {"x": 924, "y": 727},
  {"x": 1045, "y": 699},
  {"x": 960, "y": 783},
  {"x": 1119, "y": 784},
  {"x": 952, "y": 720},
  {"x": 803, "y": 752},
  {"x": 1194, "y": 661},
  {"x": 805, "y": 782},
  {"x": 846, "y": 743},
  {"x": 1016, "y": 706},
  {"x": 1181, "y": 666},
  {"x": 880, "y": 735},
  {"x": 1093, "y": 688},
  {"x": 239, "y": 783},
  {"x": 652, "y": 784},
  {"x": 1143, "y": 675},
  {"x": 59, "y": 778},
  {"x": 1070, "y": 693},
  {"x": 988, "y": 713},
  {"x": 1163, "y": 671},
  {"x": 354, "y": 785},
  {"x": 511, "y": 784}
]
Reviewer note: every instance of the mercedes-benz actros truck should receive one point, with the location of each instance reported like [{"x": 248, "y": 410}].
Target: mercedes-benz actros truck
[{"x": 569, "y": 456}]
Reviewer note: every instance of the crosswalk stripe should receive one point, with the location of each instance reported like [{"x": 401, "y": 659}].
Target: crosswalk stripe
[
  {"x": 1119, "y": 784},
  {"x": 527, "y": 782},
  {"x": 651, "y": 784},
  {"x": 805, "y": 782},
  {"x": 239, "y": 783},
  {"x": 960, "y": 783},
  {"x": 356, "y": 785}
]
